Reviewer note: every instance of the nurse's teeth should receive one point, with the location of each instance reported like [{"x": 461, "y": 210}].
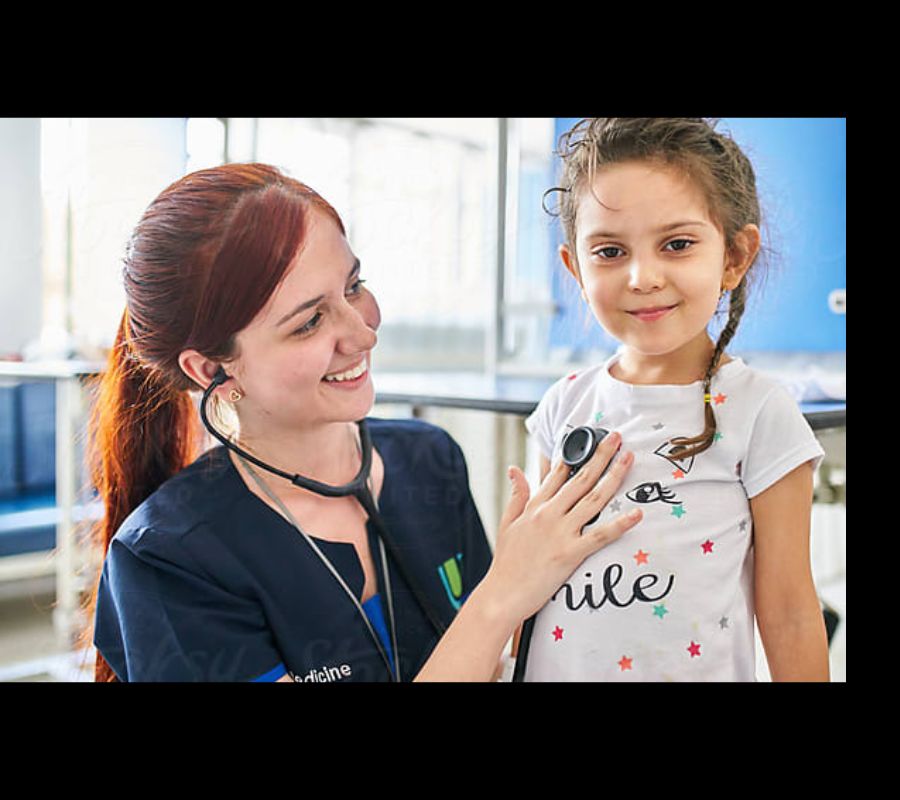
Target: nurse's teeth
[{"x": 349, "y": 375}]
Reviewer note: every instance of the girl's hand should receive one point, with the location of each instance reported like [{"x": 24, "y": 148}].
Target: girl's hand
[{"x": 540, "y": 541}]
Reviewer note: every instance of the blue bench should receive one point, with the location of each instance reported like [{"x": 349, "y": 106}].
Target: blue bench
[{"x": 27, "y": 467}]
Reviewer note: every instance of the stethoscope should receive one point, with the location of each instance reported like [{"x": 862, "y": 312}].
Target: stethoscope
[
  {"x": 359, "y": 488},
  {"x": 578, "y": 445}
]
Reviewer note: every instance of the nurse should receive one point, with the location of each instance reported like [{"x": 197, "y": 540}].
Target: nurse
[{"x": 217, "y": 570}]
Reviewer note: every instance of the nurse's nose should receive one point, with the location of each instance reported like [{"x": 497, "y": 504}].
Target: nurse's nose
[
  {"x": 645, "y": 275},
  {"x": 358, "y": 324}
]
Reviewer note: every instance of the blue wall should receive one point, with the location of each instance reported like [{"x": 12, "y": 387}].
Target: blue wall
[{"x": 801, "y": 177}]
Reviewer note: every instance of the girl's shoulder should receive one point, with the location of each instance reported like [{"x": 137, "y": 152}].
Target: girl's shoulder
[
  {"x": 751, "y": 385},
  {"x": 577, "y": 382}
]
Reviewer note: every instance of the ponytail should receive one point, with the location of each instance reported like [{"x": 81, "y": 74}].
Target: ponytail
[{"x": 142, "y": 430}]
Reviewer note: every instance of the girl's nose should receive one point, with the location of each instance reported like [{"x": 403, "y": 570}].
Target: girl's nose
[{"x": 645, "y": 275}]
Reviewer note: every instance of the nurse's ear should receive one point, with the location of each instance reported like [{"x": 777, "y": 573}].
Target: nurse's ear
[{"x": 202, "y": 371}]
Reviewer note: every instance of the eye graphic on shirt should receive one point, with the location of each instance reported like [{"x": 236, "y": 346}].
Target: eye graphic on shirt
[
  {"x": 652, "y": 493},
  {"x": 669, "y": 452}
]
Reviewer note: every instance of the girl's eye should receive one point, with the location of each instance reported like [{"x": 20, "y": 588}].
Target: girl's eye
[
  {"x": 686, "y": 242},
  {"x": 605, "y": 252}
]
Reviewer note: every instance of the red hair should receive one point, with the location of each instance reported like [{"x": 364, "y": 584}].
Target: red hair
[{"x": 201, "y": 264}]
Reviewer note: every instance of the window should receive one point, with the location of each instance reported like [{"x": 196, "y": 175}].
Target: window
[
  {"x": 418, "y": 198},
  {"x": 97, "y": 177}
]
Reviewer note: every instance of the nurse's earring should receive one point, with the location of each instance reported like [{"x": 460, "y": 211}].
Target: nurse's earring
[{"x": 234, "y": 395}]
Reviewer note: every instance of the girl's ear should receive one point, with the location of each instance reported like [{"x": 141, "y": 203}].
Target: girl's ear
[
  {"x": 571, "y": 263},
  {"x": 743, "y": 252}
]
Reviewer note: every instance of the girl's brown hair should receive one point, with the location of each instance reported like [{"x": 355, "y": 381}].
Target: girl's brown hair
[
  {"x": 711, "y": 159},
  {"x": 202, "y": 262}
]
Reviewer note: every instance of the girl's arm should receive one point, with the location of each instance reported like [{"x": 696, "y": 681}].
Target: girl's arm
[{"x": 788, "y": 611}]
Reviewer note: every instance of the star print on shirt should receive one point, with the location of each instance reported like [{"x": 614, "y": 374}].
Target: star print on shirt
[
  {"x": 625, "y": 663},
  {"x": 641, "y": 557},
  {"x": 694, "y": 649},
  {"x": 720, "y": 398},
  {"x": 678, "y": 474},
  {"x": 659, "y": 426},
  {"x": 723, "y": 623},
  {"x": 598, "y": 416},
  {"x": 557, "y": 633},
  {"x": 678, "y": 511},
  {"x": 660, "y": 610},
  {"x": 615, "y": 505},
  {"x": 707, "y": 546}
]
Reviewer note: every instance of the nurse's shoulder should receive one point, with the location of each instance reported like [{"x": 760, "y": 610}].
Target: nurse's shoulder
[
  {"x": 416, "y": 445},
  {"x": 190, "y": 499}
]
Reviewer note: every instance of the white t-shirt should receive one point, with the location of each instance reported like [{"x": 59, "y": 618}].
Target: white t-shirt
[{"x": 672, "y": 599}]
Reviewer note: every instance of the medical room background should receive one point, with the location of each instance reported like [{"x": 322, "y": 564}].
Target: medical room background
[{"x": 479, "y": 315}]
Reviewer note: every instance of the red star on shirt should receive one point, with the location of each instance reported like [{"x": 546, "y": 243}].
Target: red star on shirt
[
  {"x": 694, "y": 649},
  {"x": 557, "y": 633},
  {"x": 625, "y": 663},
  {"x": 707, "y": 546},
  {"x": 573, "y": 376},
  {"x": 720, "y": 398},
  {"x": 678, "y": 474},
  {"x": 640, "y": 557}
]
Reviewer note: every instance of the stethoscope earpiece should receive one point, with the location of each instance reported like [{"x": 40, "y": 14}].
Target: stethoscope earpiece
[{"x": 219, "y": 378}]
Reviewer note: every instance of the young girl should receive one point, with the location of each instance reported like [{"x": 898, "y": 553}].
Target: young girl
[{"x": 661, "y": 222}]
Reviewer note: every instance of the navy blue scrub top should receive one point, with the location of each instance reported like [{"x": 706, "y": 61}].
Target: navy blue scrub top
[{"x": 206, "y": 582}]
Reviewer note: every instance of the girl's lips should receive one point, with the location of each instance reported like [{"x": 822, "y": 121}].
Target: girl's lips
[{"x": 651, "y": 314}]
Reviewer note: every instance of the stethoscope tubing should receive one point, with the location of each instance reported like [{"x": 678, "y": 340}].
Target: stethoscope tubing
[{"x": 359, "y": 489}]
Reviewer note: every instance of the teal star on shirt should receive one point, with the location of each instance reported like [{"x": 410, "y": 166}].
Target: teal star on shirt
[
  {"x": 717, "y": 436},
  {"x": 598, "y": 416},
  {"x": 660, "y": 610},
  {"x": 678, "y": 511}
]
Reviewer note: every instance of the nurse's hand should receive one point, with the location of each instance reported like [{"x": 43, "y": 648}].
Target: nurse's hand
[
  {"x": 539, "y": 546},
  {"x": 540, "y": 541}
]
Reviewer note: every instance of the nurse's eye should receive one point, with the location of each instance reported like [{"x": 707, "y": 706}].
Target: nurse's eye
[
  {"x": 310, "y": 326},
  {"x": 685, "y": 242},
  {"x": 355, "y": 288}
]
